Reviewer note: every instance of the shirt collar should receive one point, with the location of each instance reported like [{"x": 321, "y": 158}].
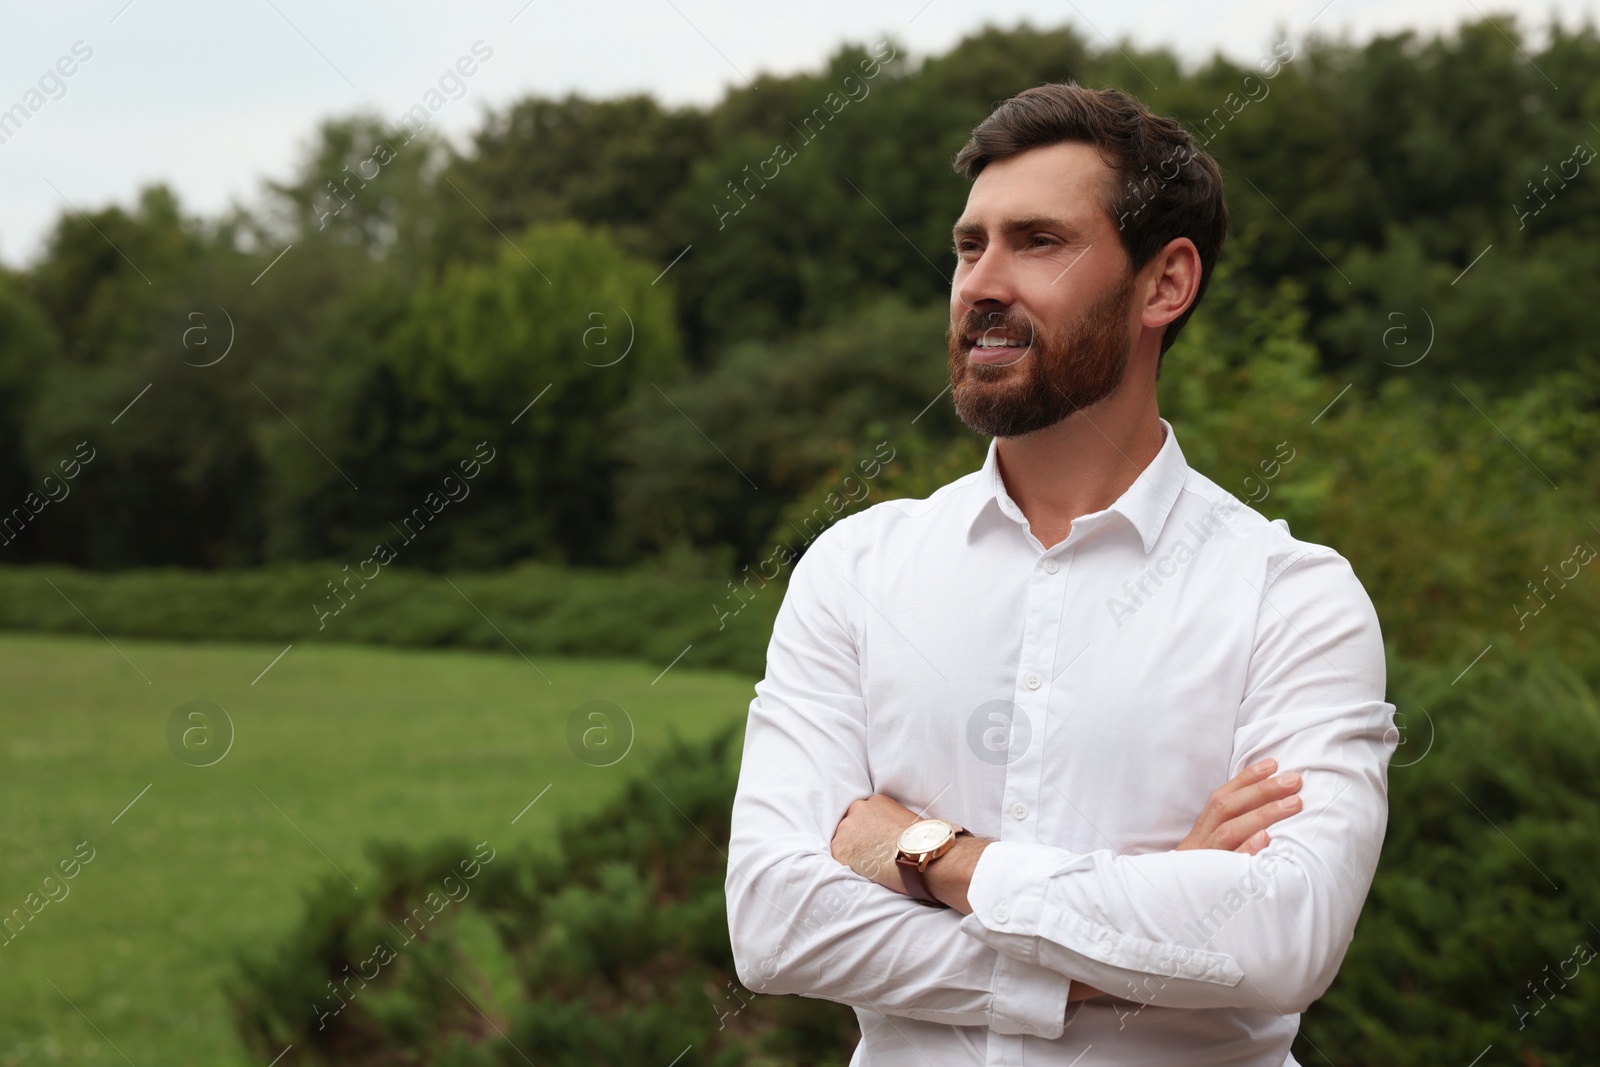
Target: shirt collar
[{"x": 1145, "y": 504}]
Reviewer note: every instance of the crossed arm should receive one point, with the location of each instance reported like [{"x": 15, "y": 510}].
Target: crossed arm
[
  {"x": 1235, "y": 819},
  {"x": 1035, "y": 920}
]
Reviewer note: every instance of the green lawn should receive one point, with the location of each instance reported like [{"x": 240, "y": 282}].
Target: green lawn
[{"x": 350, "y": 743}]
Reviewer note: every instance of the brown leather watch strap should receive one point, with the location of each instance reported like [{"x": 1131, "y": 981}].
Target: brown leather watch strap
[{"x": 916, "y": 885}]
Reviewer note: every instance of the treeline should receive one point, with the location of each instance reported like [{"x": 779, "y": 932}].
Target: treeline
[
  {"x": 668, "y": 325},
  {"x": 1472, "y": 520}
]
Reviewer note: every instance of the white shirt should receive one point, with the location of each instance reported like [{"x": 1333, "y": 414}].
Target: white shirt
[{"x": 1077, "y": 705}]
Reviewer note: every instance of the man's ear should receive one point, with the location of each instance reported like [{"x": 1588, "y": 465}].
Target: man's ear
[{"x": 1174, "y": 282}]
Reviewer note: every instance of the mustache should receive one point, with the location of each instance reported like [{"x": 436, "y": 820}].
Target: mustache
[{"x": 1006, "y": 320}]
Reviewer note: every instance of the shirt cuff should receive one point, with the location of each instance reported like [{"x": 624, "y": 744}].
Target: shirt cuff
[
  {"x": 1006, "y": 891},
  {"x": 1009, "y": 914}
]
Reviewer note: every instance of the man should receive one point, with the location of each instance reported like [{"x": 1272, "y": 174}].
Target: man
[{"x": 1014, "y": 700}]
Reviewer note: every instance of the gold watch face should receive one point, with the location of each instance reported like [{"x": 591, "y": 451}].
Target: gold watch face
[{"x": 925, "y": 836}]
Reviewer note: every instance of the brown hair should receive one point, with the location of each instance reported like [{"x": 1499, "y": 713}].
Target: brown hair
[{"x": 1166, "y": 187}]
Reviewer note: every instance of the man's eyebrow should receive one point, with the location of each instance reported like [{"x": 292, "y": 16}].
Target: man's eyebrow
[{"x": 1028, "y": 222}]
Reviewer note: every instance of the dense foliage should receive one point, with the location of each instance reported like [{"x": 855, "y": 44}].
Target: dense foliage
[
  {"x": 648, "y": 614},
  {"x": 1450, "y": 513},
  {"x": 425, "y": 295},
  {"x": 465, "y": 954}
]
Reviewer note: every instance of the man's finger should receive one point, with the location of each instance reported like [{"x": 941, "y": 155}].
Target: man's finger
[
  {"x": 1235, "y": 832},
  {"x": 1232, "y": 797},
  {"x": 1261, "y": 794},
  {"x": 1248, "y": 792},
  {"x": 1256, "y": 843},
  {"x": 1249, "y": 776}
]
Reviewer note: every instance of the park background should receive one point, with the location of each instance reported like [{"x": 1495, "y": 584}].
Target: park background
[{"x": 594, "y": 375}]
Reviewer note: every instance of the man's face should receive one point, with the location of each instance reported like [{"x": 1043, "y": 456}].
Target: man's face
[{"x": 1041, "y": 302}]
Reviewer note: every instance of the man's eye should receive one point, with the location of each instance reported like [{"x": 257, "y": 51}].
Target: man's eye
[{"x": 1041, "y": 239}]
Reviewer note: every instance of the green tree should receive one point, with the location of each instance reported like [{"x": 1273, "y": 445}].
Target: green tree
[
  {"x": 611, "y": 163},
  {"x": 140, "y": 302},
  {"x": 715, "y": 460},
  {"x": 27, "y": 347},
  {"x": 532, "y": 354}
]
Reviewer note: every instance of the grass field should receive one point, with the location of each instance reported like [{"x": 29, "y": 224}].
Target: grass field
[{"x": 332, "y": 747}]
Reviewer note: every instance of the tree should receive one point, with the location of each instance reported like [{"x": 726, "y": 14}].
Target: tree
[
  {"x": 715, "y": 460},
  {"x": 27, "y": 347},
  {"x": 524, "y": 359}
]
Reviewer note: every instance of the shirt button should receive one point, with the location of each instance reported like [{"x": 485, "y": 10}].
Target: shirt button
[
  {"x": 1001, "y": 914},
  {"x": 1031, "y": 681},
  {"x": 1051, "y": 566},
  {"x": 1020, "y": 810}
]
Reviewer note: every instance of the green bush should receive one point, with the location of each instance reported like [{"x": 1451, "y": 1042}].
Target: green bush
[
  {"x": 648, "y": 613},
  {"x": 1488, "y": 883},
  {"x": 613, "y": 944}
]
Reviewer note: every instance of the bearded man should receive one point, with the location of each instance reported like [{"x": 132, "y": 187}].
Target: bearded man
[{"x": 1008, "y": 780}]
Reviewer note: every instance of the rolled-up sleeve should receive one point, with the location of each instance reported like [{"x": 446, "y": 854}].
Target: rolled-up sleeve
[
  {"x": 801, "y": 922},
  {"x": 1211, "y": 929}
]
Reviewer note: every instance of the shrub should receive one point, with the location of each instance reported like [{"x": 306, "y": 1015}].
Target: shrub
[
  {"x": 649, "y": 613},
  {"x": 1488, "y": 883},
  {"x": 615, "y": 943}
]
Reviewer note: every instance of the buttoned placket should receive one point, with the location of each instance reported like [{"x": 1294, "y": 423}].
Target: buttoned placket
[{"x": 1024, "y": 777}]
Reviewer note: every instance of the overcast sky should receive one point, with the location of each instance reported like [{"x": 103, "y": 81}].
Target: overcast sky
[{"x": 214, "y": 97}]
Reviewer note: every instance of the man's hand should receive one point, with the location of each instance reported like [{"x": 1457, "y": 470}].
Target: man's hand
[
  {"x": 1236, "y": 817},
  {"x": 1234, "y": 820},
  {"x": 869, "y": 836}
]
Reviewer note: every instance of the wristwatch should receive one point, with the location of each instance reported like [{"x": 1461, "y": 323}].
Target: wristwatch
[{"x": 920, "y": 844}]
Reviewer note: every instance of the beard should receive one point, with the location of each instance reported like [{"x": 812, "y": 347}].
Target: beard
[{"x": 1073, "y": 366}]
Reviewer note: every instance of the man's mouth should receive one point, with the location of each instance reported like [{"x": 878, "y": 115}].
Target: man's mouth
[{"x": 996, "y": 347}]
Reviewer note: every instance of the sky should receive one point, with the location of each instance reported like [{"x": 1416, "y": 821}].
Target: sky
[{"x": 214, "y": 99}]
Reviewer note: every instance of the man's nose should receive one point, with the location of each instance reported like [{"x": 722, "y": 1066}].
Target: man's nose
[{"x": 989, "y": 283}]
